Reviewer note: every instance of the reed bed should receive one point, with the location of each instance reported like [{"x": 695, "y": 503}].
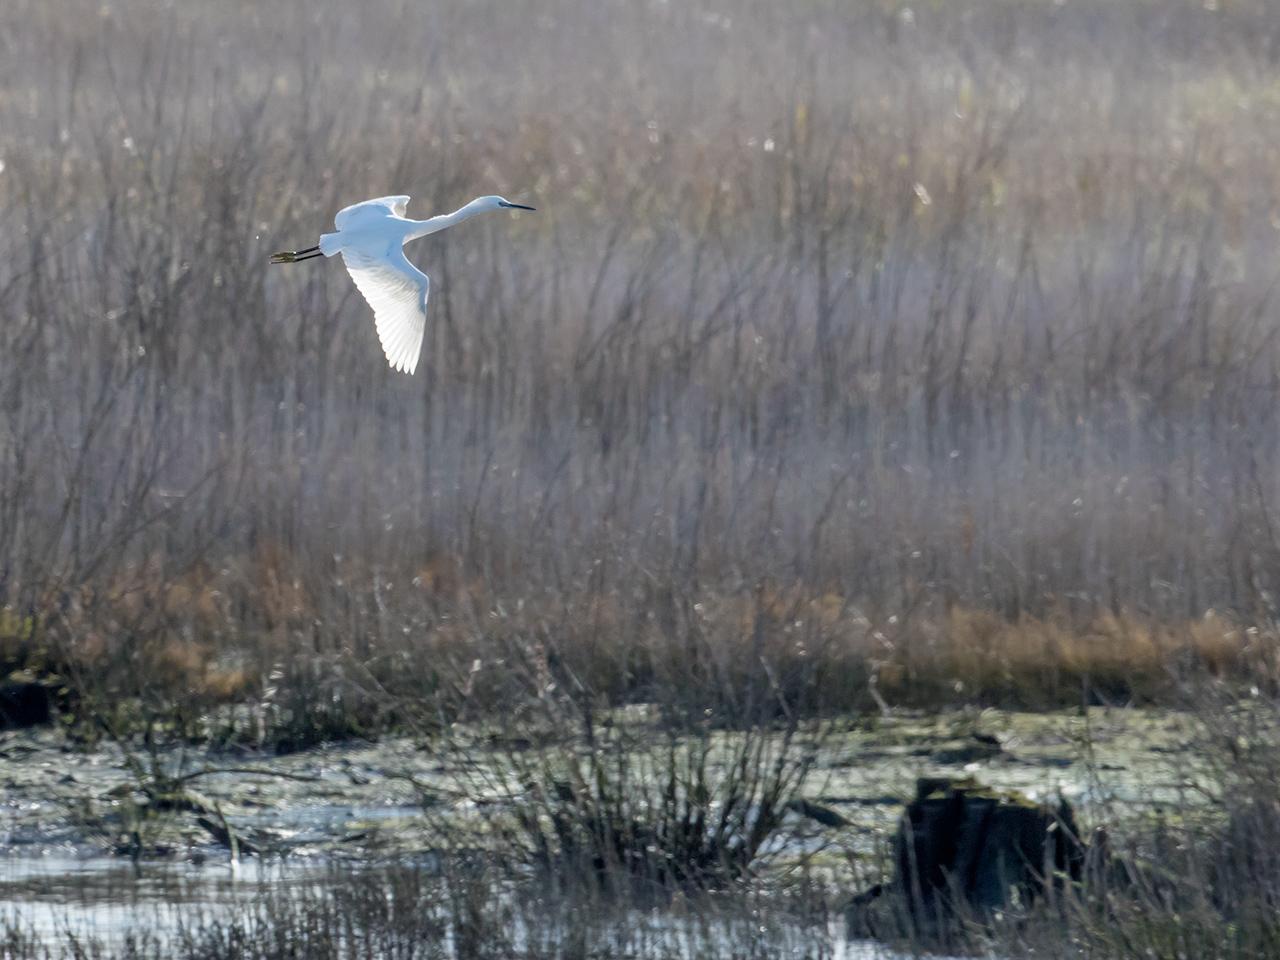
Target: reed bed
[{"x": 933, "y": 343}]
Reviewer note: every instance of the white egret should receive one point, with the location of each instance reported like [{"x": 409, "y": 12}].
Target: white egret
[{"x": 371, "y": 236}]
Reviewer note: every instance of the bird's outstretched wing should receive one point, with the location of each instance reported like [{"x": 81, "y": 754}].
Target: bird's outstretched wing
[
  {"x": 397, "y": 292},
  {"x": 371, "y": 209}
]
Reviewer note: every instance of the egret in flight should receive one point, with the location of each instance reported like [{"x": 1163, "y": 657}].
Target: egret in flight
[{"x": 371, "y": 237}]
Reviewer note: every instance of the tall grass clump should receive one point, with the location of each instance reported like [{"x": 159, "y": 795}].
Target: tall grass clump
[
  {"x": 687, "y": 793},
  {"x": 653, "y": 815},
  {"x": 914, "y": 316}
]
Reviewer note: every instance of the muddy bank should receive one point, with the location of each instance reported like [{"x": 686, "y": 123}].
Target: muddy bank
[{"x": 365, "y": 799}]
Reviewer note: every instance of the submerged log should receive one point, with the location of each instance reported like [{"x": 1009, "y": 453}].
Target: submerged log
[
  {"x": 817, "y": 812},
  {"x": 962, "y": 848},
  {"x": 222, "y": 832}
]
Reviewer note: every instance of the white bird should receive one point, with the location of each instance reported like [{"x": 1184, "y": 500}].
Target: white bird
[{"x": 371, "y": 236}]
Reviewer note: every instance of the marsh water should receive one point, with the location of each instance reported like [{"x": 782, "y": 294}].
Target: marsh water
[{"x": 70, "y": 864}]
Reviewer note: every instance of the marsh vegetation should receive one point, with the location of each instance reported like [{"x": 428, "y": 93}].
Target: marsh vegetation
[{"x": 862, "y": 357}]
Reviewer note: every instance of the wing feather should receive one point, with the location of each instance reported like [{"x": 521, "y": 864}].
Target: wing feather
[
  {"x": 397, "y": 291},
  {"x": 376, "y": 209}
]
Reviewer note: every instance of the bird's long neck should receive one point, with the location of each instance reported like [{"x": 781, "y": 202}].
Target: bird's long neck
[{"x": 422, "y": 228}]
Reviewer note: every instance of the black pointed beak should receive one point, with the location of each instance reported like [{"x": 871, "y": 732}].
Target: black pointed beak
[{"x": 518, "y": 206}]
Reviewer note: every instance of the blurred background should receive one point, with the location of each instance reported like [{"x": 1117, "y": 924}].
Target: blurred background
[{"x": 924, "y": 352}]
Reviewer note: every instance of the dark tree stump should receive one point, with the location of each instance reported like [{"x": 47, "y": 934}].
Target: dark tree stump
[
  {"x": 25, "y": 704},
  {"x": 964, "y": 849},
  {"x": 960, "y": 843}
]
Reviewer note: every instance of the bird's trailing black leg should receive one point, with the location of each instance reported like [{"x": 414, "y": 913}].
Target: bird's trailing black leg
[{"x": 296, "y": 256}]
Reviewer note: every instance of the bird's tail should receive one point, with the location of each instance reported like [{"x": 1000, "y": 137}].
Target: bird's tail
[{"x": 330, "y": 243}]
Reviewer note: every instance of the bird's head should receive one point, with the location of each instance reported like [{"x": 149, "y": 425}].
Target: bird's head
[{"x": 501, "y": 203}]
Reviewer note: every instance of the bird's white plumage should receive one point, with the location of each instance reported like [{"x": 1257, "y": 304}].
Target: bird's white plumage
[
  {"x": 377, "y": 209},
  {"x": 397, "y": 291}
]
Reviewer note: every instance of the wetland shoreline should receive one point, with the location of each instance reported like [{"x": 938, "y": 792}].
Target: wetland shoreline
[{"x": 80, "y": 847}]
